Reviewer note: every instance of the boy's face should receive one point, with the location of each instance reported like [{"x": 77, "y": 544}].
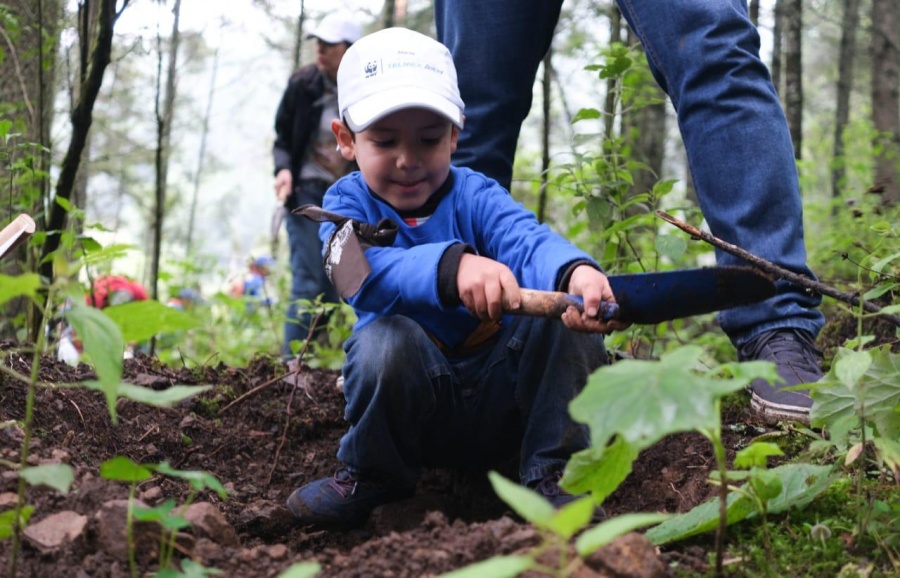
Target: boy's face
[{"x": 404, "y": 157}]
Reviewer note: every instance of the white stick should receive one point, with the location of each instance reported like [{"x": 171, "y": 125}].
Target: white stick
[{"x": 20, "y": 229}]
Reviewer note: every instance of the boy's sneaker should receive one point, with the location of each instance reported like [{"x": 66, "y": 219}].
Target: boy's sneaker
[
  {"x": 794, "y": 353},
  {"x": 343, "y": 500}
]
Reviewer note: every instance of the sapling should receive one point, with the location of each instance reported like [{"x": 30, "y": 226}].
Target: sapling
[{"x": 556, "y": 528}]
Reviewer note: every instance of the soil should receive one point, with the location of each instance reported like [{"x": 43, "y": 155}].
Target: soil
[{"x": 261, "y": 437}]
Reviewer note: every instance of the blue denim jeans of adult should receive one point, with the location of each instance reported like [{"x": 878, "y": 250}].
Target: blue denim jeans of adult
[
  {"x": 409, "y": 406},
  {"x": 308, "y": 279},
  {"x": 705, "y": 55}
]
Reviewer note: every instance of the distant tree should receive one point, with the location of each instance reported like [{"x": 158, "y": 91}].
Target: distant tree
[
  {"x": 885, "y": 53},
  {"x": 846, "y": 61},
  {"x": 793, "y": 71}
]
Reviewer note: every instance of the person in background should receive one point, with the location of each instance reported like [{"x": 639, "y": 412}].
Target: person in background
[
  {"x": 306, "y": 164},
  {"x": 705, "y": 55},
  {"x": 253, "y": 284},
  {"x": 435, "y": 373}
]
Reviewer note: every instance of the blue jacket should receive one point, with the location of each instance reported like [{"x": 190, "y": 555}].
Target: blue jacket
[{"x": 477, "y": 215}]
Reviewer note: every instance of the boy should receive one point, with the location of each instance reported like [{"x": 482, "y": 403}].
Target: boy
[{"x": 436, "y": 374}]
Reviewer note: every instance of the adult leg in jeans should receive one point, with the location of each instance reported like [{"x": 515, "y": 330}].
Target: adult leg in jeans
[
  {"x": 308, "y": 279},
  {"x": 705, "y": 55}
]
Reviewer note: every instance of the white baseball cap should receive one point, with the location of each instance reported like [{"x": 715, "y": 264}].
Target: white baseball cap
[
  {"x": 335, "y": 28},
  {"x": 395, "y": 69}
]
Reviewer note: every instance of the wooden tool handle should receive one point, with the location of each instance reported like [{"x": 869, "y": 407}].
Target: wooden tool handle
[
  {"x": 20, "y": 229},
  {"x": 553, "y": 304}
]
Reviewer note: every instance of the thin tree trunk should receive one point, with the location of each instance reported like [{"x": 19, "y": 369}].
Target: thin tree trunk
[
  {"x": 188, "y": 246},
  {"x": 777, "y": 50},
  {"x": 164, "y": 117},
  {"x": 609, "y": 107},
  {"x": 388, "y": 13},
  {"x": 754, "y": 12},
  {"x": 82, "y": 117},
  {"x": 298, "y": 40},
  {"x": 545, "y": 133},
  {"x": 885, "y": 53},
  {"x": 846, "y": 62},
  {"x": 793, "y": 73}
]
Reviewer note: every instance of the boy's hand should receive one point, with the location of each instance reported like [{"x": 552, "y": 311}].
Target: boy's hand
[
  {"x": 593, "y": 287},
  {"x": 482, "y": 282}
]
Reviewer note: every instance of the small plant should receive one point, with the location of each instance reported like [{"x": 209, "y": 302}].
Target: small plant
[{"x": 557, "y": 527}]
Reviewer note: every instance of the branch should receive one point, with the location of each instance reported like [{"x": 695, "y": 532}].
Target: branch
[{"x": 775, "y": 270}]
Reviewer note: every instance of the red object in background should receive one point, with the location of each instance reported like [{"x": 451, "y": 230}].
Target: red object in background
[{"x": 115, "y": 290}]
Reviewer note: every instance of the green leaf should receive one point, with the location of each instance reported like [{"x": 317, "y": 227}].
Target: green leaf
[
  {"x": 889, "y": 451},
  {"x": 586, "y": 114},
  {"x": 26, "y": 285},
  {"x": 141, "y": 320},
  {"x": 8, "y": 520},
  {"x": 608, "y": 531},
  {"x": 103, "y": 344},
  {"x": 756, "y": 455},
  {"x": 302, "y": 570},
  {"x": 528, "y": 504},
  {"x": 57, "y": 476},
  {"x": 671, "y": 246},
  {"x": 643, "y": 401},
  {"x": 874, "y": 396},
  {"x": 599, "y": 470},
  {"x": 766, "y": 484},
  {"x": 801, "y": 483},
  {"x": 198, "y": 480},
  {"x": 498, "y": 567},
  {"x": 572, "y": 517},
  {"x": 122, "y": 469},
  {"x": 851, "y": 366},
  {"x": 163, "y": 515},
  {"x": 160, "y": 398}
]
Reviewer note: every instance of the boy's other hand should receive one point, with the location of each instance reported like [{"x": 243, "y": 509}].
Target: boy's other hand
[
  {"x": 283, "y": 185},
  {"x": 482, "y": 282},
  {"x": 593, "y": 287}
]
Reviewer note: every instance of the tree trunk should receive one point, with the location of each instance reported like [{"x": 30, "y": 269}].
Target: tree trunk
[
  {"x": 846, "y": 61},
  {"x": 26, "y": 100},
  {"x": 777, "y": 50},
  {"x": 793, "y": 72},
  {"x": 81, "y": 117},
  {"x": 885, "y": 51},
  {"x": 546, "y": 85},
  {"x": 298, "y": 40},
  {"x": 164, "y": 117},
  {"x": 201, "y": 156},
  {"x": 754, "y": 12},
  {"x": 609, "y": 109}
]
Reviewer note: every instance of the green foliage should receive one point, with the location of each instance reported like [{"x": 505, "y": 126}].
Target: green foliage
[{"x": 302, "y": 570}]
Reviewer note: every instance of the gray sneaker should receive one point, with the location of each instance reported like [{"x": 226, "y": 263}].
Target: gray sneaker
[{"x": 794, "y": 353}]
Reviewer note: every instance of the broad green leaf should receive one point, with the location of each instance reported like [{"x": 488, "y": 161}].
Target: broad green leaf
[
  {"x": 189, "y": 569},
  {"x": 25, "y": 285},
  {"x": 160, "y": 398},
  {"x": 141, "y": 320},
  {"x": 851, "y": 366},
  {"x": 123, "y": 469},
  {"x": 498, "y": 567},
  {"x": 756, "y": 455},
  {"x": 525, "y": 502},
  {"x": 163, "y": 514},
  {"x": 875, "y": 395},
  {"x": 102, "y": 341},
  {"x": 586, "y": 114},
  {"x": 604, "y": 533},
  {"x": 671, "y": 246},
  {"x": 801, "y": 484},
  {"x": 572, "y": 517},
  {"x": 766, "y": 484},
  {"x": 302, "y": 570},
  {"x": 57, "y": 476},
  {"x": 599, "y": 470},
  {"x": 8, "y": 520},
  {"x": 643, "y": 401},
  {"x": 198, "y": 480}
]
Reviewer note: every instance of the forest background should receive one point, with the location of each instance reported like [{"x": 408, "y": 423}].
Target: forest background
[{"x": 146, "y": 126}]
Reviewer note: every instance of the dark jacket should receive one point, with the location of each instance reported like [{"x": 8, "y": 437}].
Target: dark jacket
[{"x": 297, "y": 117}]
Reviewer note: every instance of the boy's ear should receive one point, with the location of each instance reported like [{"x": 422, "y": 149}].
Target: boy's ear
[
  {"x": 454, "y": 137},
  {"x": 345, "y": 142}
]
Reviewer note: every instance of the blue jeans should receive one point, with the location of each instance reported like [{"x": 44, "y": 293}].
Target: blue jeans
[
  {"x": 308, "y": 279},
  {"x": 410, "y": 406},
  {"x": 705, "y": 55}
]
